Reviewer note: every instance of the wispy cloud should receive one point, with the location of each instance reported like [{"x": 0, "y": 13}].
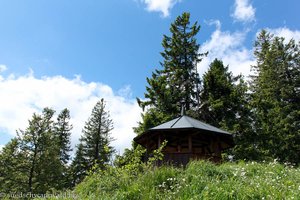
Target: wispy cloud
[
  {"x": 22, "y": 96},
  {"x": 287, "y": 33},
  {"x": 228, "y": 47},
  {"x": 3, "y": 68},
  {"x": 163, "y": 6},
  {"x": 243, "y": 11}
]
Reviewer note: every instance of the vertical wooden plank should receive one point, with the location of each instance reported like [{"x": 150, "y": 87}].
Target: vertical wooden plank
[
  {"x": 178, "y": 148},
  {"x": 211, "y": 145},
  {"x": 190, "y": 143},
  {"x": 147, "y": 148},
  {"x": 159, "y": 141},
  {"x": 218, "y": 148}
]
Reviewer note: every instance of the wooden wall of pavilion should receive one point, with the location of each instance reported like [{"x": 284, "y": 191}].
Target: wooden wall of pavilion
[{"x": 187, "y": 145}]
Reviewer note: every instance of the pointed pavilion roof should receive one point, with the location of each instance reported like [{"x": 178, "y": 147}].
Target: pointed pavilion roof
[
  {"x": 186, "y": 122},
  {"x": 182, "y": 124}
]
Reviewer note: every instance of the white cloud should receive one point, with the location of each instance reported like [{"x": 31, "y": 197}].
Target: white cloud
[
  {"x": 243, "y": 11},
  {"x": 286, "y": 33},
  {"x": 3, "y": 68},
  {"x": 24, "y": 95},
  {"x": 228, "y": 47},
  {"x": 162, "y": 6}
]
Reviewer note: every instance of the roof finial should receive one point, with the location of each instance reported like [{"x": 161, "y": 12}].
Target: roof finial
[{"x": 182, "y": 108}]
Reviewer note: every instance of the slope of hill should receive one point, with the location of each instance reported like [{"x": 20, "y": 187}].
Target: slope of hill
[{"x": 199, "y": 180}]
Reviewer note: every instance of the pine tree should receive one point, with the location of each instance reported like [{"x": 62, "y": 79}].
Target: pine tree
[
  {"x": 178, "y": 80},
  {"x": 276, "y": 97},
  {"x": 94, "y": 144}
]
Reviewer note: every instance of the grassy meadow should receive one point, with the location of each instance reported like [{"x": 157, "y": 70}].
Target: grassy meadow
[{"x": 199, "y": 180}]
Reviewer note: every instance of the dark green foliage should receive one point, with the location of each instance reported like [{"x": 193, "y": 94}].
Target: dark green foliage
[
  {"x": 276, "y": 96},
  {"x": 131, "y": 158},
  {"x": 13, "y": 166},
  {"x": 32, "y": 162},
  {"x": 37, "y": 143},
  {"x": 94, "y": 147},
  {"x": 222, "y": 96},
  {"x": 78, "y": 169},
  {"x": 178, "y": 81},
  {"x": 62, "y": 131},
  {"x": 224, "y": 104}
]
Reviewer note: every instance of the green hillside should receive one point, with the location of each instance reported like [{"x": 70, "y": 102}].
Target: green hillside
[{"x": 199, "y": 180}]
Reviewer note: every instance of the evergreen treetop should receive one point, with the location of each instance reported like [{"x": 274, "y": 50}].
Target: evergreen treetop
[{"x": 178, "y": 80}]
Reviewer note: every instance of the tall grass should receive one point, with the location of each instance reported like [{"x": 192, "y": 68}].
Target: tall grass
[{"x": 199, "y": 180}]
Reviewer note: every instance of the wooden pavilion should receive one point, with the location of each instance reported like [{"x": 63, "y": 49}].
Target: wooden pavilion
[{"x": 187, "y": 138}]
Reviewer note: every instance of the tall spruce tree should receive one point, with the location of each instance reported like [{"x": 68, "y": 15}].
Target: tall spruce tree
[
  {"x": 94, "y": 147},
  {"x": 224, "y": 104},
  {"x": 178, "y": 81},
  {"x": 276, "y": 96},
  {"x": 62, "y": 131},
  {"x": 219, "y": 99},
  {"x": 222, "y": 96}
]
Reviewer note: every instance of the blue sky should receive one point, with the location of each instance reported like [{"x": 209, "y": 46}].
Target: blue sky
[{"x": 71, "y": 53}]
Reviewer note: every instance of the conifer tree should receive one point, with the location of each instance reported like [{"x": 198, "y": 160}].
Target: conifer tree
[
  {"x": 79, "y": 166},
  {"x": 32, "y": 162},
  {"x": 35, "y": 143},
  {"x": 224, "y": 104},
  {"x": 13, "y": 165},
  {"x": 276, "y": 96},
  {"x": 62, "y": 131},
  {"x": 178, "y": 80},
  {"x": 221, "y": 96},
  {"x": 94, "y": 147}
]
